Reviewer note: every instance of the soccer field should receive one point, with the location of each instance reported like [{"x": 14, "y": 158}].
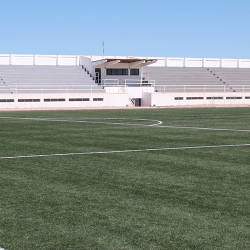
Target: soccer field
[{"x": 125, "y": 179}]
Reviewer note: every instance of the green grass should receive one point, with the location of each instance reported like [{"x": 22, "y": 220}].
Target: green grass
[{"x": 171, "y": 199}]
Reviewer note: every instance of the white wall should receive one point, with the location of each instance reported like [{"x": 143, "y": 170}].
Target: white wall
[
  {"x": 121, "y": 78},
  {"x": 75, "y": 60},
  {"x": 22, "y": 59},
  {"x": 86, "y": 62},
  {"x": 229, "y": 63},
  {"x": 201, "y": 62},
  {"x": 109, "y": 100},
  {"x": 212, "y": 62},
  {"x": 193, "y": 62},
  {"x": 146, "y": 99},
  {"x": 161, "y": 61},
  {"x": 53, "y": 60},
  {"x": 175, "y": 62},
  {"x": 68, "y": 60},
  {"x": 121, "y": 100},
  {"x": 5, "y": 59},
  {"x": 168, "y": 99},
  {"x": 46, "y": 60},
  {"x": 244, "y": 63}
]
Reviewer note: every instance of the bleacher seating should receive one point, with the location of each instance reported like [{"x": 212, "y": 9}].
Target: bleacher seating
[
  {"x": 196, "y": 79},
  {"x": 75, "y": 79},
  {"x": 46, "y": 79},
  {"x": 234, "y": 78}
]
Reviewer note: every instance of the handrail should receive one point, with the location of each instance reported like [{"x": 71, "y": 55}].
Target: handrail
[
  {"x": 141, "y": 82},
  {"x": 110, "y": 82},
  {"x": 203, "y": 88},
  {"x": 61, "y": 88},
  {"x": 127, "y": 82}
]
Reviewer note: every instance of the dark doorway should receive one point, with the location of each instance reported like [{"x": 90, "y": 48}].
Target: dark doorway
[
  {"x": 137, "y": 102},
  {"x": 98, "y": 76}
]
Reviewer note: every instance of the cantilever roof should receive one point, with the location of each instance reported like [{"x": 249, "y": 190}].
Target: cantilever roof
[{"x": 131, "y": 61}]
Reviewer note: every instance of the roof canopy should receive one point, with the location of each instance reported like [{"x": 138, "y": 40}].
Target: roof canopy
[{"x": 131, "y": 61}]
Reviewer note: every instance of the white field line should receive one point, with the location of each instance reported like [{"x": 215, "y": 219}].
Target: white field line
[
  {"x": 157, "y": 124},
  {"x": 123, "y": 151},
  {"x": 213, "y": 129}
]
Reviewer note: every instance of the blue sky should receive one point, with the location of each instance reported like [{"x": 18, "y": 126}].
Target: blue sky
[{"x": 157, "y": 28}]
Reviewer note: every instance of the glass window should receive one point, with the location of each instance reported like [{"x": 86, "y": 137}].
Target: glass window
[
  {"x": 116, "y": 72},
  {"x": 134, "y": 72},
  {"x": 119, "y": 72},
  {"x": 97, "y": 99}
]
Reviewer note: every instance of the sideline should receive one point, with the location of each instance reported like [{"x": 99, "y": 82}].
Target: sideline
[
  {"x": 123, "y": 151},
  {"x": 213, "y": 129},
  {"x": 154, "y": 122}
]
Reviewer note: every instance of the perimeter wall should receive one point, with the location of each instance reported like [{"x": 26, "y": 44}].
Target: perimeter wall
[{"x": 76, "y": 60}]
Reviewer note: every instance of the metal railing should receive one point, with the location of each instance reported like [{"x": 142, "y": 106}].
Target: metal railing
[
  {"x": 114, "y": 83},
  {"x": 138, "y": 82},
  {"x": 202, "y": 88},
  {"x": 53, "y": 89},
  {"x": 110, "y": 82},
  {"x": 127, "y": 82}
]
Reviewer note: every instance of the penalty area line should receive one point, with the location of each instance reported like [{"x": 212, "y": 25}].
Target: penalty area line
[{"x": 123, "y": 151}]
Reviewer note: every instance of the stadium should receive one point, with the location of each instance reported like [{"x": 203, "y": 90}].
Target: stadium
[
  {"x": 124, "y": 125},
  {"x": 63, "y": 81},
  {"x": 120, "y": 169}
]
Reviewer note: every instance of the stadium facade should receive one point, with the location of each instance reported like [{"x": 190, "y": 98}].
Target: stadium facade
[{"x": 64, "y": 81}]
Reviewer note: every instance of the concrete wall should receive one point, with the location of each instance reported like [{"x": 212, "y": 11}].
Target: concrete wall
[
  {"x": 53, "y": 60},
  {"x": 75, "y": 60},
  {"x": 15, "y": 101},
  {"x": 121, "y": 78},
  {"x": 155, "y": 99},
  {"x": 86, "y": 62},
  {"x": 168, "y": 99}
]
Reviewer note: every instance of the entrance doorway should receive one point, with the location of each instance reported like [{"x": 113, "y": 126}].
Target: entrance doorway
[
  {"x": 98, "y": 76},
  {"x": 137, "y": 102}
]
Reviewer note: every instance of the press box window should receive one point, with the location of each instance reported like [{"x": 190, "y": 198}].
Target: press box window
[
  {"x": 194, "y": 98},
  {"x": 54, "y": 100},
  {"x": 215, "y": 98},
  {"x": 116, "y": 72},
  {"x": 97, "y": 99},
  {"x": 79, "y": 99},
  {"x": 28, "y": 100},
  {"x": 134, "y": 72},
  {"x": 6, "y": 100},
  {"x": 234, "y": 97}
]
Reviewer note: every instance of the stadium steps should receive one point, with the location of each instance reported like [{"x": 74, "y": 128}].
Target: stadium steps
[
  {"x": 32, "y": 79},
  {"x": 180, "y": 76},
  {"x": 232, "y": 77}
]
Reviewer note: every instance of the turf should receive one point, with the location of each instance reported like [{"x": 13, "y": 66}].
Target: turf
[{"x": 195, "y": 198}]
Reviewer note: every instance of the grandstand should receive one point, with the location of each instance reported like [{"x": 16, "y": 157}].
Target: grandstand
[
  {"x": 46, "y": 79},
  {"x": 40, "y": 81}
]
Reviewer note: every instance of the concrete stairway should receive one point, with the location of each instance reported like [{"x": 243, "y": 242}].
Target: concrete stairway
[
  {"x": 46, "y": 79},
  {"x": 233, "y": 78},
  {"x": 180, "y": 77}
]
